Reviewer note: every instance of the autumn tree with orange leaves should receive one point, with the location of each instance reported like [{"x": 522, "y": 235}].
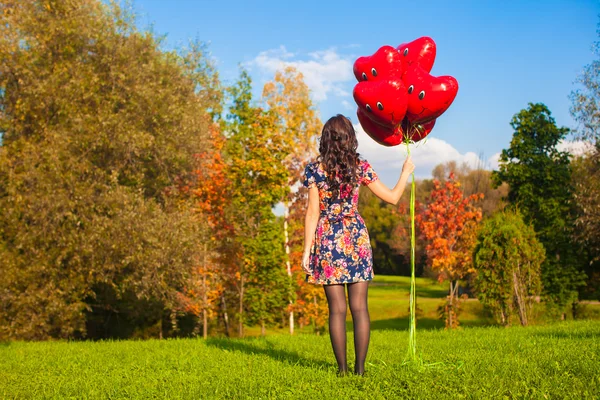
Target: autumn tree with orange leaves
[
  {"x": 449, "y": 225},
  {"x": 204, "y": 291}
]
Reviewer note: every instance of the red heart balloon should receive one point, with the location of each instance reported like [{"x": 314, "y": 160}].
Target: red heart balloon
[
  {"x": 383, "y": 101},
  {"x": 420, "y": 52},
  {"x": 428, "y": 96},
  {"x": 384, "y": 63},
  {"x": 416, "y": 132},
  {"x": 381, "y": 134}
]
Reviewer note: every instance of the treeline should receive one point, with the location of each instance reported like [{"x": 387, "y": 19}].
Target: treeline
[
  {"x": 137, "y": 193},
  {"x": 132, "y": 203},
  {"x": 527, "y": 232}
]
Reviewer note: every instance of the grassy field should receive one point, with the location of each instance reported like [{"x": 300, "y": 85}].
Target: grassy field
[
  {"x": 546, "y": 361},
  {"x": 541, "y": 362},
  {"x": 388, "y": 306}
]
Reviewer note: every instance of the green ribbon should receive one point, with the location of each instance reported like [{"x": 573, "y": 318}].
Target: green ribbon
[{"x": 412, "y": 338}]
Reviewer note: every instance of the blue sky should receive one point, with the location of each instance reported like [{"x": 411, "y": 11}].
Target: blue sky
[{"x": 504, "y": 54}]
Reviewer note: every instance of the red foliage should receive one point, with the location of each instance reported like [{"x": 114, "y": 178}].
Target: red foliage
[{"x": 448, "y": 224}]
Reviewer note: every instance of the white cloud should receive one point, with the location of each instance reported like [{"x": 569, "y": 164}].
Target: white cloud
[
  {"x": 324, "y": 71},
  {"x": 575, "y": 147},
  {"x": 425, "y": 155},
  {"x": 494, "y": 160}
]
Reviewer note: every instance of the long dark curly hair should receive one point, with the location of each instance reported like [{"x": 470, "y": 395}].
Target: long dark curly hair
[{"x": 338, "y": 154}]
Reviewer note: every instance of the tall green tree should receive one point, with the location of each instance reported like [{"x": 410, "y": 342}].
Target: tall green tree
[
  {"x": 267, "y": 289},
  {"x": 99, "y": 130},
  {"x": 540, "y": 186},
  {"x": 255, "y": 155},
  {"x": 288, "y": 98}
]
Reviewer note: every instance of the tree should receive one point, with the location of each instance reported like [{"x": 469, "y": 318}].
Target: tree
[
  {"x": 539, "y": 178},
  {"x": 448, "y": 224},
  {"x": 205, "y": 289},
  {"x": 288, "y": 98},
  {"x": 382, "y": 221},
  {"x": 586, "y": 169},
  {"x": 255, "y": 155},
  {"x": 586, "y": 177},
  {"x": 99, "y": 130},
  {"x": 267, "y": 292},
  {"x": 585, "y": 102},
  {"x": 475, "y": 180},
  {"x": 508, "y": 259}
]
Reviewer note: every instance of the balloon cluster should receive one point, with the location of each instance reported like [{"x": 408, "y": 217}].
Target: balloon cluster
[{"x": 397, "y": 98}]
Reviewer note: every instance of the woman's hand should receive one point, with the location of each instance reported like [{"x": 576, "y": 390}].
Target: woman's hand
[
  {"x": 408, "y": 167},
  {"x": 305, "y": 263}
]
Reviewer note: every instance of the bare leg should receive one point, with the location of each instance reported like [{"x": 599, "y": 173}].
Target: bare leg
[
  {"x": 336, "y": 299},
  {"x": 357, "y": 296}
]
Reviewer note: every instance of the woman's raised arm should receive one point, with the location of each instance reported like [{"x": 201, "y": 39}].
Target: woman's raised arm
[{"x": 392, "y": 196}]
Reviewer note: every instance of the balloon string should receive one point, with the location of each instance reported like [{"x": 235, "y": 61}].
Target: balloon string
[{"x": 412, "y": 339}]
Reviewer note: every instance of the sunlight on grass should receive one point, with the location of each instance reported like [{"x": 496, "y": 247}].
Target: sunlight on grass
[{"x": 554, "y": 361}]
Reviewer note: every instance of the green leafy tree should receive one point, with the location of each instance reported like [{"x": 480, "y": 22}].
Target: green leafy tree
[
  {"x": 255, "y": 155},
  {"x": 288, "y": 99},
  {"x": 267, "y": 292},
  {"x": 382, "y": 222},
  {"x": 539, "y": 178},
  {"x": 99, "y": 130},
  {"x": 507, "y": 260}
]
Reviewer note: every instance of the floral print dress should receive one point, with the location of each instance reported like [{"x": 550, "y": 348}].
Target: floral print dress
[{"x": 341, "y": 251}]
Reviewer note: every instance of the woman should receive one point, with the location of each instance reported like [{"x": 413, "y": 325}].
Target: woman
[{"x": 337, "y": 250}]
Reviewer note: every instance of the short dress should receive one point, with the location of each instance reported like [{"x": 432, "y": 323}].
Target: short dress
[{"x": 341, "y": 251}]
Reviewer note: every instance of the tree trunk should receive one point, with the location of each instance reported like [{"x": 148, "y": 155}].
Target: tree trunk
[
  {"x": 519, "y": 298},
  {"x": 204, "y": 313},
  {"x": 262, "y": 328},
  {"x": 225, "y": 316},
  {"x": 241, "y": 308},
  {"x": 204, "y": 299},
  {"x": 450, "y": 314},
  {"x": 287, "y": 261},
  {"x": 160, "y": 327},
  {"x": 314, "y": 319}
]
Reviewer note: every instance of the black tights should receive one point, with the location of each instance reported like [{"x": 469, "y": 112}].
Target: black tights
[{"x": 336, "y": 299}]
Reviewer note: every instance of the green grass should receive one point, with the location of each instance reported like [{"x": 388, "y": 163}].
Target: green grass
[
  {"x": 540, "y": 362},
  {"x": 544, "y": 361},
  {"x": 388, "y": 302}
]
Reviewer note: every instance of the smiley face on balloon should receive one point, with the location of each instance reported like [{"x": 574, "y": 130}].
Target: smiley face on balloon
[
  {"x": 398, "y": 99},
  {"x": 384, "y": 101},
  {"x": 384, "y": 63},
  {"x": 428, "y": 96},
  {"x": 419, "y": 52}
]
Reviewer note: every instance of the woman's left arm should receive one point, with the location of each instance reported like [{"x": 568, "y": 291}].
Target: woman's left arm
[{"x": 311, "y": 220}]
